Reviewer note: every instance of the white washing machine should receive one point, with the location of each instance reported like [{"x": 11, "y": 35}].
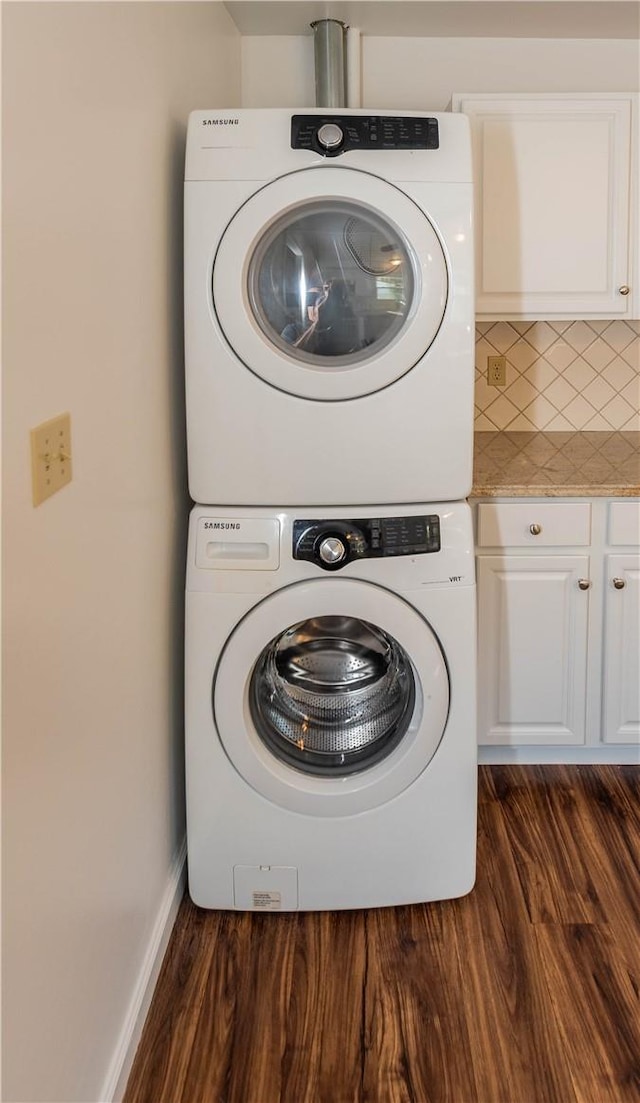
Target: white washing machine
[
  {"x": 329, "y": 312},
  {"x": 330, "y": 707}
]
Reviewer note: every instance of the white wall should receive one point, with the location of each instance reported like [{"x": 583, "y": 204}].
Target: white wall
[
  {"x": 425, "y": 72},
  {"x": 277, "y": 71},
  {"x": 95, "y": 100},
  {"x": 417, "y": 73}
]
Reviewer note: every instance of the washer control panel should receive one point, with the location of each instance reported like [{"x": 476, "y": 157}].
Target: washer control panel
[
  {"x": 331, "y": 544},
  {"x": 332, "y": 135}
]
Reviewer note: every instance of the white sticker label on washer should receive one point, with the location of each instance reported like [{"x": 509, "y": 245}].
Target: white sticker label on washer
[{"x": 267, "y": 901}]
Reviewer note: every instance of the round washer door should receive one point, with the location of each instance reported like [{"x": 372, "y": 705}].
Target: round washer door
[
  {"x": 331, "y": 697},
  {"x": 330, "y": 284}
]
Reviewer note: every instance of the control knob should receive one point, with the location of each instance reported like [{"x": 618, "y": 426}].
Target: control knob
[
  {"x": 332, "y": 550},
  {"x": 330, "y": 136}
]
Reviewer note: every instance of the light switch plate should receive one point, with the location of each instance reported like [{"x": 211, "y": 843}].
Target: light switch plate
[{"x": 50, "y": 457}]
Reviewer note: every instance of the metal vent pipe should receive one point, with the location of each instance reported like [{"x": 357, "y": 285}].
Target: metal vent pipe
[{"x": 329, "y": 53}]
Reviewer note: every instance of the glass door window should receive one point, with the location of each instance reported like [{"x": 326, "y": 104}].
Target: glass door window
[
  {"x": 331, "y": 282},
  {"x": 332, "y": 695}
]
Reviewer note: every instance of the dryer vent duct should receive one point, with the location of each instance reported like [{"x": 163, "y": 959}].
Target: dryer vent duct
[{"x": 329, "y": 53}]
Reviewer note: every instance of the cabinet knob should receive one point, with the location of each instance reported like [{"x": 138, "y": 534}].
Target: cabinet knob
[
  {"x": 624, "y": 290},
  {"x": 535, "y": 529},
  {"x": 584, "y": 583},
  {"x": 619, "y": 583}
]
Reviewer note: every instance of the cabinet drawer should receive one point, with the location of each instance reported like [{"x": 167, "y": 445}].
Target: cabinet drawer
[
  {"x": 533, "y": 524},
  {"x": 624, "y": 523}
]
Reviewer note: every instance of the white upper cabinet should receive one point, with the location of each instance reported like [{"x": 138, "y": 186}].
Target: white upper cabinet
[{"x": 554, "y": 202}]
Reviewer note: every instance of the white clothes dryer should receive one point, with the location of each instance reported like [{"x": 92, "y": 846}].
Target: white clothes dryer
[
  {"x": 330, "y": 707},
  {"x": 329, "y": 317}
]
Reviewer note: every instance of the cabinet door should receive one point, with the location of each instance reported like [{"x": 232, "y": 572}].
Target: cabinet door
[
  {"x": 552, "y": 177},
  {"x": 621, "y": 708},
  {"x": 532, "y": 649}
]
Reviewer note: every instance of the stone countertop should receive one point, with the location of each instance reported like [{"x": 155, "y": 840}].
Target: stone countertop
[{"x": 557, "y": 465}]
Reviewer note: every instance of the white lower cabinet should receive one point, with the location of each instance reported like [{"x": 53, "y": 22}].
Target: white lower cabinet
[
  {"x": 532, "y": 619},
  {"x": 621, "y": 713},
  {"x": 558, "y": 623}
]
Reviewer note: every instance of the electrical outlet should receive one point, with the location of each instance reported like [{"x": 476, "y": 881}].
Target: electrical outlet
[
  {"x": 496, "y": 371},
  {"x": 50, "y": 457}
]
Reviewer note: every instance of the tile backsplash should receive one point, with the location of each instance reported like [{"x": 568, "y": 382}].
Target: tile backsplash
[{"x": 561, "y": 376}]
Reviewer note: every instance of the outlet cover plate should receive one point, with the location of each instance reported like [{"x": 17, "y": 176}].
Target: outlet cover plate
[{"x": 496, "y": 371}]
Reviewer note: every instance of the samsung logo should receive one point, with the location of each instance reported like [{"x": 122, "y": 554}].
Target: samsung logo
[
  {"x": 220, "y": 122},
  {"x": 222, "y": 524}
]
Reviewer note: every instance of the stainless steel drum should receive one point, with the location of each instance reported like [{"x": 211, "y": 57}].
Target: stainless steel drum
[{"x": 332, "y": 695}]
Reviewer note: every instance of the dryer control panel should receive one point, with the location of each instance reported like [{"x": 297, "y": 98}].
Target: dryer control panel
[
  {"x": 332, "y": 544},
  {"x": 332, "y": 135}
]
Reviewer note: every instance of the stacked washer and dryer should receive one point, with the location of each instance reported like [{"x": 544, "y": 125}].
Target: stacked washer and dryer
[{"x": 330, "y": 598}]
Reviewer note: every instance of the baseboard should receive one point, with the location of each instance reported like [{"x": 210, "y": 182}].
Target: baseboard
[
  {"x": 116, "y": 1081},
  {"x": 576, "y": 756}
]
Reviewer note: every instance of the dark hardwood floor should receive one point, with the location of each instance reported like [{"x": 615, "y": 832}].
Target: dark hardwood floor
[{"x": 525, "y": 991}]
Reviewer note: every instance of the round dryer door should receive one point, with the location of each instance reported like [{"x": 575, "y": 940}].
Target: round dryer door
[
  {"x": 331, "y": 697},
  {"x": 330, "y": 284}
]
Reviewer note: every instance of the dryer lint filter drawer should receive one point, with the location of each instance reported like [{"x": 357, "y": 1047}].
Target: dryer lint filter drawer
[{"x": 238, "y": 543}]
